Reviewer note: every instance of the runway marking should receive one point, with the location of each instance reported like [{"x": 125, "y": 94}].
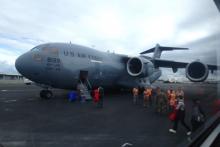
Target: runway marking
[
  {"x": 14, "y": 143},
  {"x": 4, "y": 90},
  {"x": 10, "y": 101},
  {"x": 127, "y": 144}
]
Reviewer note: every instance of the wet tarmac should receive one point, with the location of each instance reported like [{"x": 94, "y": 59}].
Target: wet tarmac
[{"x": 28, "y": 121}]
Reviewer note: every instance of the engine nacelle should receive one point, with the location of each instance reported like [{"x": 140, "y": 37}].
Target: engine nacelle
[
  {"x": 197, "y": 71},
  {"x": 139, "y": 66}
]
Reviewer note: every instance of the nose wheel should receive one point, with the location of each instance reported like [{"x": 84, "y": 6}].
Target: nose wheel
[{"x": 46, "y": 94}]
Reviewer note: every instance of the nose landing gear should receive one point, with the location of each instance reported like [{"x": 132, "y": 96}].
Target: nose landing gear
[{"x": 46, "y": 94}]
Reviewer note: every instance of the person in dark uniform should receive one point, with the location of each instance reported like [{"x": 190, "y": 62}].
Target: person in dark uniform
[
  {"x": 161, "y": 101},
  {"x": 101, "y": 97},
  {"x": 198, "y": 115}
]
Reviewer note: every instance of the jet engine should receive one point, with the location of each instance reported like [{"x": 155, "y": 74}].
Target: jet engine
[
  {"x": 197, "y": 71},
  {"x": 139, "y": 66}
]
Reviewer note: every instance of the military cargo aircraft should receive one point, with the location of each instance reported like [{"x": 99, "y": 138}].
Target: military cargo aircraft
[{"x": 65, "y": 65}]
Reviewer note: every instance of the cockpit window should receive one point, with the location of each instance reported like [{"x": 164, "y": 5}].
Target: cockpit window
[
  {"x": 50, "y": 50},
  {"x": 35, "y": 49}
]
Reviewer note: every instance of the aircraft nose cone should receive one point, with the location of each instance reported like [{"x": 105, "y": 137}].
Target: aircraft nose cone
[
  {"x": 23, "y": 64},
  {"x": 19, "y": 64},
  {"x": 29, "y": 66}
]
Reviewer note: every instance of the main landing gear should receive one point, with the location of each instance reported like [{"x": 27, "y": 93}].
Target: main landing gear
[{"x": 46, "y": 94}]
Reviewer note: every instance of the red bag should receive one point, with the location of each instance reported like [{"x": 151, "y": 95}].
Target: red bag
[{"x": 172, "y": 116}]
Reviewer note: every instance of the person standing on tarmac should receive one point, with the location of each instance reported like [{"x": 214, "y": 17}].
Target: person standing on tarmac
[
  {"x": 101, "y": 97},
  {"x": 161, "y": 101},
  {"x": 96, "y": 96},
  {"x": 180, "y": 116},
  {"x": 147, "y": 93},
  {"x": 170, "y": 89},
  {"x": 169, "y": 93},
  {"x": 172, "y": 100},
  {"x": 179, "y": 92},
  {"x": 198, "y": 115},
  {"x": 135, "y": 92}
]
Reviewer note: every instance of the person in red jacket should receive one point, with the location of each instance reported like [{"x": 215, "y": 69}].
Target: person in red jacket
[
  {"x": 180, "y": 116},
  {"x": 96, "y": 95}
]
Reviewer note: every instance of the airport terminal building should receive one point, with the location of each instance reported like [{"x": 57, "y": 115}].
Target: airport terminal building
[{"x": 4, "y": 76}]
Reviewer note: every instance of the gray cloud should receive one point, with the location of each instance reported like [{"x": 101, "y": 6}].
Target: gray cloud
[
  {"x": 7, "y": 68},
  {"x": 127, "y": 27},
  {"x": 204, "y": 49}
]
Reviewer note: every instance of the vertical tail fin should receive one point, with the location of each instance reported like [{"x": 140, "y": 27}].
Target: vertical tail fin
[{"x": 157, "y": 50}]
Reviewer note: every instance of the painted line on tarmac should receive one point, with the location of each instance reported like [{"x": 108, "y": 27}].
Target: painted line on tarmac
[
  {"x": 10, "y": 101},
  {"x": 14, "y": 143},
  {"x": 4, "y": 90}
]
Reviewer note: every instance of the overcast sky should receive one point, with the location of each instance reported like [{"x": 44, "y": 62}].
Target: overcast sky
[{"x": 123, "y": 26}]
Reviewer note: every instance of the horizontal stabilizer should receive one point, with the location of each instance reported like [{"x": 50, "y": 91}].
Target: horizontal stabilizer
[
  {"x": 163, "y": 48},
  {"x": 157, "y": 50}
]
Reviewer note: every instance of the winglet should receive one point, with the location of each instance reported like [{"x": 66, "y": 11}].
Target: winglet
[{"x": 157, "y": 50}]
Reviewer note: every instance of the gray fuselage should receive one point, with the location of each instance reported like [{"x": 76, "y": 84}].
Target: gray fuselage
[{"x": 62, "y": 65}]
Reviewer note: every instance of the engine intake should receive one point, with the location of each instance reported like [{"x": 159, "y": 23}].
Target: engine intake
[
  {"x": 139, "y": 66},
  {"x": 197, "y": 71}
]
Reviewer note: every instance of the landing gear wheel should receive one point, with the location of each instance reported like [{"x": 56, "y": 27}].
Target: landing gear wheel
[{"x": 46, "y": 94}]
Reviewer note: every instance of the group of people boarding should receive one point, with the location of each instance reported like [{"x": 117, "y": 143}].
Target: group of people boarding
[{"x": 171, "y": 102}]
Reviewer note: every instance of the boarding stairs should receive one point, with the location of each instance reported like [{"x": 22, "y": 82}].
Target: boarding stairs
[{"x": 85, "y": 89}]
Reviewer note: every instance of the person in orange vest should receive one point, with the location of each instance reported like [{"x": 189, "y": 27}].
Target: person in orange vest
[
  {"x": 172, "y": 100},
  {"x": 169, "y": 93},
  {"x": 135, "y": 92},
  {"x": 147, "y": 94}
]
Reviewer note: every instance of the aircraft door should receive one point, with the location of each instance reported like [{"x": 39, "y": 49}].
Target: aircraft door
[
  {"x": 83, "y": 76},
  {"x": 83, "y": 79}
]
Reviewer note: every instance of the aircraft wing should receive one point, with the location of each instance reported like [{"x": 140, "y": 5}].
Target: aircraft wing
[
  {"x": 175, "y": 64},
  {"x": 169, "y": 63}
]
